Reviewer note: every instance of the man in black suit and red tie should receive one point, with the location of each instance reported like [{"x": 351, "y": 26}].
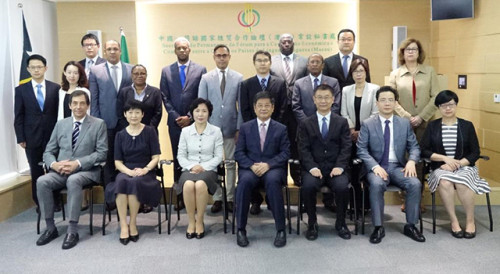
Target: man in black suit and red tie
[
  {"x": 325, "y": 149},
  {"x": 90, "y": 46},
  {"x": 35, "y": 109}
]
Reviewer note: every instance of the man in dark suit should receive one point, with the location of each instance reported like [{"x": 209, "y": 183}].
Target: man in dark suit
[
  {"x": 262, "y": 152},
  {"x": 35, "y": 109},
  {"x": 325, "y": 149},
  {"x": 290, "y": 67},
  {"x": 337, "y": 66},
  {"x": 260, "y": 82},
  {"x": 90, "y": 46},
  {"x": 105, "y": 81},
  {"x": 383, "y": 142},
  {"x": 179, "y": 85},
  {"x": 77, "y": 145}
]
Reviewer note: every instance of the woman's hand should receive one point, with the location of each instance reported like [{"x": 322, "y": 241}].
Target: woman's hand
[
  {"x": 141, "y": 171},
  {"x": 452, "y": 163},
  {"x": 197, "y": 169},
  {"x": 354, "y": 135}
]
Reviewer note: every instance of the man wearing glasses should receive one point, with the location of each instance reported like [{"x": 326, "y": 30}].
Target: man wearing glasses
[{"x": 90, "y": 46}]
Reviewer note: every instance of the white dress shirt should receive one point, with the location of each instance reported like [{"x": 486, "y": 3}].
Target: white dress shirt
[{"x": 118, "y": 73}]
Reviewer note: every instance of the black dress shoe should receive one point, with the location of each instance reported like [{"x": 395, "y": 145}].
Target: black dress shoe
[
  {"x": 230, "y": 206},
  {"x": 469, "y": 235},
  {"x": 255, "y": 209},
  {"x": 202, "y": 234},
  {"x": 190, "y": 235},
  {"x": 312, "y": 232},
  {"x": 412, "y": 232},
  {"x": 70, "y": 240},
  {"x": 134, "y": 238},
  {"x": 280, "y": 240},
  {"x": 124, "y": 241},
  {"x": 216, "y": 207},
  {"x": 47, "y": 236},
  {"x": 458, "y": 234},
  {"x": 377, "y": 235},
  {"x": 344, "y": 232},
  {"x": 241, "y": 238}
]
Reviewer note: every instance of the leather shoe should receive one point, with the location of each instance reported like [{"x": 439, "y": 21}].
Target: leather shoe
[
  {"x": 344, "y": 232},
  {"x": 47, "y": 236},
  {"x": 230, "y": 206},
  {"x": 190, "y": 235},
  {"x": 124, "y": 241},
  {"x": 70, "y": 240},
  {"x": 216, "y": 207},
  {"x": 469, "y": 235},
  {"x": 412, "y": 232},
  {"x": 134, "y": 238},
  {"x": 312, "y": 232},
  {"x": 377, "y": 235},
  {"x": 241, "y": 238},
  {"x": 255, "y": 209},
  {"x": 280, "y": 240},
  {"x": 458, "y": 234}
]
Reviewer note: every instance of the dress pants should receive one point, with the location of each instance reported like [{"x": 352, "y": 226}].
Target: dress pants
[
  {"x": 35, "y": 156},
  {"x": 338, "y": 184},
  {"x": 411, "y": 185},
  {"x": 273, "y": 183},
  {"x": 74, "y": 184},
  {"x": 110, "y": 169},
  {"x": 229, "y": 146}
]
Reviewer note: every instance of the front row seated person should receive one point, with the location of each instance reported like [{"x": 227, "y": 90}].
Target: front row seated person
[
  {"x": 325, "y": 149},
  {"x": 262, "y": 153},
  {"x": 452, "y": 146},
  {"x": 200, "y": 152},
  {"x": 77, "y": 145},
  {"x": 383, "y": 141},
  {"x": 137, "y": 151}
]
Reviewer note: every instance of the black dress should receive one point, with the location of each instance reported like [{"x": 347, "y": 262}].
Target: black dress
[{"x": 136, "y": 152}]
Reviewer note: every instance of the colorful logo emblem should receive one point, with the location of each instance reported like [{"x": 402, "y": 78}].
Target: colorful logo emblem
[{"x": 248, "y": 18}]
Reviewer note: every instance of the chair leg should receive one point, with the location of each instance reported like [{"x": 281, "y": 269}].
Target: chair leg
[
  {"x": 363, "y": 209},
  {"x": 38, "y": 221},
  {"x": 62, "y": 208},
  {"x": 299, "y": 213},
  {"x": 170, "y": 210},
  {"x": 104, "y": 218},
  {"x": 91, "y": 211},
  {"x": 489, "y": 211},
  {"x": 178, "y": 210},
  {"x": 234, "y": 211},
  {"x": 224, "y": 205},
  {"x": 159, "y": 218},
  {"x": 164, "y": 198},
  {"x": 288, "y": 214},
  {"x": 433, "y": 195},
  {"x": 355, "y": 211},
  {"x": 421, "y": 222}
]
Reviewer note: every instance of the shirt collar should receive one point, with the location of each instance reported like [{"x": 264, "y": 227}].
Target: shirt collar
[
  {"x": 283, "y": 56},
  {"x": 319, "y": 78},
  {"x": 186, "y": 64},
  {"x": 266, "y": 77},
  {"x": 81, "y": 121},
  {"x": 342, "y": 56},
  {"x": 382, "y": 119},
  {"x": 259, "y": 122},
  {"x": 34, "y": 83},
  {"x": 119, "y": 64}
]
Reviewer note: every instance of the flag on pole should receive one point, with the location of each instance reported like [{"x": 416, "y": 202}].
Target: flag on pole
[
  {"x": 123, "y": 42},
  {"x": 24, "y": 75}
]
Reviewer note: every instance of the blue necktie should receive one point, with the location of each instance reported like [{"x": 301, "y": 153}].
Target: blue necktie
[
  {"x": 39, "y": 96},
  {"x": 316, "y": 83},
  {"x": 263, "y": 83},
  {"x": 344, "y": 65},
  {"x": 183, "y": 75},
  {"x": 324, "y": 129},
  {"x": 76, "y": 133},
  {"x": 384, "y": 162}
]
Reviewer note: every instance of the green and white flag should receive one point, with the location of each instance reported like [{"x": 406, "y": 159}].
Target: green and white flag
[{"x": 123, "y": 42}]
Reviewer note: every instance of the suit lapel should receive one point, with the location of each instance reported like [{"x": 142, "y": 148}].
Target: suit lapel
[
  {"x": 83, "y": 131},
  {"x": 315, "y": 127},
  {"x": 215, "y": 83},
  {"x": 268, "y": 134},
  {"x": 32, "y": 97},
  {"x": 339, "y": 66},
  {"x": 147, "y": 93},
  {"x": 255, "y": 131},
  {"x": 378, "y": 131},
  {"x": 124, "y": 75}
]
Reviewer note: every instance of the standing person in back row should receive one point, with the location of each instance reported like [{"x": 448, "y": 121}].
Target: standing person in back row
[{"x": 90, "y": 46}]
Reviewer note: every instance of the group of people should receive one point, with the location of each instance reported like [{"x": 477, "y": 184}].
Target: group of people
[{"x": 323, "y": 112}]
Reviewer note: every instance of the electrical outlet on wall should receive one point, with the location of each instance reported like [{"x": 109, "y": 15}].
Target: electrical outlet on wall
[{"x": 496, "y": 98}]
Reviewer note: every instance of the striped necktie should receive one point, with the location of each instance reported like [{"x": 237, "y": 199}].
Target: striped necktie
[{"x": 76, "y": 133}]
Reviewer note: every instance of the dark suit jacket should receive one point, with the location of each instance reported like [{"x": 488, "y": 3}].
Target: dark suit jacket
[
  {"x": 333, "y": 68},
  {"x": 467, "y": 143},
  {"x": 317, "y": 152},
  {"x": 151, "y": 103},
  {"x": 97, "y": 62},
  {"x": 276, "y": 147},
  {"x": 299, "y": 71},
  {"x": 31, "y": 124},
  {"x": 175, "y": 98},
  {"x": 103, "y": 92},
  {"x": 276, "y": 86}
]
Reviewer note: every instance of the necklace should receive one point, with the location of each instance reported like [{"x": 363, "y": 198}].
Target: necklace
[{"x": 134, "y": 132}]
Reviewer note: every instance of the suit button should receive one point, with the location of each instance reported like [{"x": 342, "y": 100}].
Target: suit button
[
  {"x": 325, "y": 151},
  {"x": 222, "y": 106},
  {"x": 416, "y": 106},
  {"x": 220, "y": 116}
]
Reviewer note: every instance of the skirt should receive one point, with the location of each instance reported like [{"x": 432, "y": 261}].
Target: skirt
[
  {"x": 209, "y": 177},
  {"x": 146, "y": 188},
  {"x": 467, "y": 175}
]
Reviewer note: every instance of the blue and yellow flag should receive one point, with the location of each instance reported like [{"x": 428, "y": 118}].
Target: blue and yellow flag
[{"x": 24, "y": 75}]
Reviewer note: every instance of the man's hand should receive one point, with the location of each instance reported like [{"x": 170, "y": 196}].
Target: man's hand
[
  {"x": 183, "y": 121},
  {"x": 336, "y": 171},
  {"x": 22, "y": 144},
  {"x": 69, "y": 167},
  {"x": 316, "y": 173},
  {"x": 415, "y": 121},
  {"x": 197, "y": 169},
  {"x": 259, "y": 168},
  {"x": 380, "y": 172},
  {"x": 410, "y": 170},
  {"x": 58, "y": 166}
]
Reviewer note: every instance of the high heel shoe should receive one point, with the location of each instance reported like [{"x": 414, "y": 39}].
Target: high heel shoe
[
  {"x": 469, "y": 235},
  {"x": 124, "y": 241},
  {"x": 202, "y": 234},
  {"x": 190, "y": 235},
  {"x": 134, "y": 238},
  {"x": 458, "y": 234}
]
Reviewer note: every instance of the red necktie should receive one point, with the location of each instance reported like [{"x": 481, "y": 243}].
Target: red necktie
[{"x": 414, "y": 92}]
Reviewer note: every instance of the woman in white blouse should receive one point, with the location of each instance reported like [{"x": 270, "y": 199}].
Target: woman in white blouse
[
  {"x": 73, "y": 77},
  {"x": 200, "y": 152}
]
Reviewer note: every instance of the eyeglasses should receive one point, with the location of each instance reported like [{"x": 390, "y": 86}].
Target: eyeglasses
[
  {"x": 359, "y": 71},
  {"x": 221, "y": 56},
  {"x": 411, "y": 49},
  {"x": 89, "y": 45},
  {"x": 36, "y": 67},
  {"x": 139, "y": 74},
  {"x": 261, "y": 60},
  {"x": 321, "y": 98},
  {"x": 262, "y": 106},
  {"x": 346, "y": 40},
  {"x": 448, "y": 105},
  {"x": 385, "y": 100}
]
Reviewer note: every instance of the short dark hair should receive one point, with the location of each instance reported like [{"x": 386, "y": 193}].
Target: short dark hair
[
  {"x": 199, "y": 101},
  {"x": 221, "y": 46},
  {"x": 266, "y": 53},
  {"x": 90, "y": 36},
  {"x": 325, "y": 87},
  {"x": 79, "y": 92},
  {"x": 445, "y": 96},
  {"x": 406, "y": 43},
  {"x": 387, "y": 89},
  {"x": 316, "y": 54},
  {"x": 359, "y": 62},
  {"x": 36, "y": 57},
  {"x": 82, "y": 77},
  {"x": 347, "y": 30},
  {"x": 263, "y": 95},
  {"x": 133, "y": 104},
  {"x": 137, "y": 66}
]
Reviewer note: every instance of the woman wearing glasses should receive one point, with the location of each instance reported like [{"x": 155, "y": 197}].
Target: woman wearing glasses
[{"x": 452, "y": 146}]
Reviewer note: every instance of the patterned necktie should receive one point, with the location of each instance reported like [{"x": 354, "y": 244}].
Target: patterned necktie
[
  {"x": 414, "y": 91},
  {"x": 89, "y": 65},
  {"x": 262, "y": 135},
  {"x": 76, "y": 133},
  {"x": 263, "y": 83},
  {"x": 182, "y": 75},
  {"x": 316, "y": 83},
  {"x": 39, "y": 96},
  {"x": 114, "y": 76},
  {"x": 288, "y": 71},
  {"x": 324, "y": 129},
  {"x": 223, "y": 83},
  {"x": 344, "y": 65},
  {"x": 384, "y": 162}
]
